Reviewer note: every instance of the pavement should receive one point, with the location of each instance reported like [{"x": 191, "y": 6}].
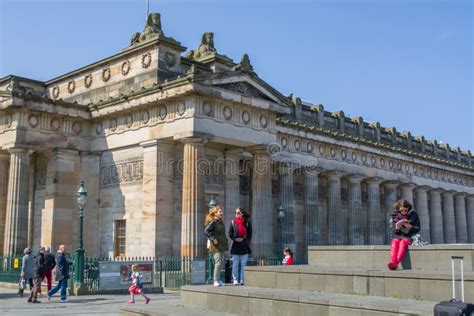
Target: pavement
[{"x": 11, "y": 304}]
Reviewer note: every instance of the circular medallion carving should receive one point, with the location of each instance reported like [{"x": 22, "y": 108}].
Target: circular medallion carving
[
  {"x": 429, "y": 172},
  {"x": 263, "y": 121},
  {"x": 373, "y": 161},
  {"x": 364, "y": 158},
  {"x": 241, "y": 88},
  {"x": 33, "y": 121},
  {"x": 76, "y": 128},
  {"x": 246, "y": 117},
  {"x": 343, "y": 154},
  {"x": 407, "y": 168},
  {"x": 354, "y": 156},
  {"x": 125, "y": 67},
  {"x": 162, "y": 112},
  {"x": 321, "y": 149},
  {"x": 399, "y": 166},
  {"x": 297, "y": 145},
  {"x": 207, "y": 108},
  {"x": 309, "y": 147},
  {"x": 71, "y": 86},
  {"x": 56, "y": 92},
  {"x": 415, "y": 170},
  {"x": 422, "y": 171},
  {"x": 333, "y": 152},
  {"x": 181, "y": 108},
  {"x": 390, "y": 164},
  {"x": 227, "y": 113},
  {"x": 98, "y": 128},
  {"x": 106, "y": 74},
  {"x": 284, "y": 142},
  {"x": 55, "y": 124},
  {"x": 145, "y": 117},
  {"x": 8, "y": 121},
  {"x": 113, "y": 124},
  {"x": 382, "y": 162},
  {"x": 129, "y": 120},
  {"x": 88, "y": 81},
  {"x": 146, "y": 60}
]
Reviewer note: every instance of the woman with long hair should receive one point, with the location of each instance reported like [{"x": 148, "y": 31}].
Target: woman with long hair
[
  {"x": 240, "y": 232},
  {"x": 405, "y": 224},
  {"x": 215, "y": 232}
]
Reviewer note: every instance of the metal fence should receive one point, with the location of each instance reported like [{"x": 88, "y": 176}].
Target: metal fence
[{"x": 10, "y": 269}]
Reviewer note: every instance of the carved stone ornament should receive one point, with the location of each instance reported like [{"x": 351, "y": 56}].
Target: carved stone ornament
[
  {"x": 399, "y": 166},
  {"x": 170, "y": 60},
  {"x": 152, "y": 29},
  {"x": 106, "y": 74},
  {"x": 390, "y": 164},
  {"x": 407, "y": 168},
  {"x": 125, "y": 67},
  {"x": 88, "y": 81},
  {"x": 297, "y": 144},
  {"x": 77, "y": 128},
  {"x": 309, "y": 147},
  {"x": 129, "y": 120},
  {"x": 113, "y": 124},
  {"x": 145, "y": 117},
  {"x": 98, "y": 128},
  {"x": 181, "y": 109},
  {"x": 146, "y": 60},
  {"x": 263, "y": 121},
  {"x": 373, "y": 161},
  {"x": 56, "y": 92},
  {"x": 246, "y": 117},
  {"x": 55, "y": 124},
  {"x": 8, "y": 121},
  {"x": 162, "y": 112},
  {"x": 207, "y": 108},
  {"x": 343, "y": 154},
  {"x": 206, "y": 47},
  {"x": 321, "y": 149},
  {"x": 71, "y": 86},
  {"x": 33, "y": 121},
  {"x": 382, "y": 162},
  {"x": 284, "y": 142},
  {"x": 354, "y": 156},
  {"x": 364, "y": 158},
  {"x": 227, "y": 113},
  {"x": 121, "y": 173},
  {"x": 333, "y": 152}
]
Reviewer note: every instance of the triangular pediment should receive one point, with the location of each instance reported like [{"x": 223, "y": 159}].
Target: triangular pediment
[{"x": 249, "y": 86}]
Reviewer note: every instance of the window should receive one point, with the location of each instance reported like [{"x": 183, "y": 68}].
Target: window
[{"x": 120, "y": 234}]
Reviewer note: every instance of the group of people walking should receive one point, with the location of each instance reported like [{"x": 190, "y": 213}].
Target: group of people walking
[{"x": 36, "y": 268}]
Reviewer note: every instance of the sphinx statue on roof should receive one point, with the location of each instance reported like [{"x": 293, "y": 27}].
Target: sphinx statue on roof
[
  {"x": 152, "y": 29},
  {"x": 206, "y": 47}
]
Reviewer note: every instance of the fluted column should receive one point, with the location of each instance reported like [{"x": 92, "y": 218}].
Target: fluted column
[
  {"x": 436, "y": 218},
  {"x": 407, "y": 191},
  {"x": 16, "y": 225},
  {"x": 421, "y": 208},
  {"x": 470, "y": 217},
  {"x": 356, "y": 217},
  {"x": 311, "y": 202},
  {"x": 449, "y": 223},
  {"x": 262, "y": 211},
  {"x": 287, "y": 201},
  {"x": 390, "y": 197},
  {"x": 460, "y": 215},
  {"x": 232, "y": 188},
  {"x": 194, "y": 210},
  {"x": 336, "y": 222},
  {"x": 376, "y": 228},
  {"x": 4, "y": 170}
]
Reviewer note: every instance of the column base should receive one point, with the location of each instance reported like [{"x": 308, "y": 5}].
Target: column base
[{"x": 80, "y": 289}]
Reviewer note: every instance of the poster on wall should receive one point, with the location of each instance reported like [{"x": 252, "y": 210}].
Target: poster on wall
[{"x": 146, "y": 269}]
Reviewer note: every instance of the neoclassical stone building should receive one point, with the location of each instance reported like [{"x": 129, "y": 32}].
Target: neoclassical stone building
[{"x": 155, "y": 134}]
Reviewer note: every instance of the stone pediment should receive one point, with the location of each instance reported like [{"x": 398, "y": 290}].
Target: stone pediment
[{"x": 245, "y": 89}]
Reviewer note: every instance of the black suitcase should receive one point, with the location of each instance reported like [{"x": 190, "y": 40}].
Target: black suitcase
[{"x": 455, "y": 307}]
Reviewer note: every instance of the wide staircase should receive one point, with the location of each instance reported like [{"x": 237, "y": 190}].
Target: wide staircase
[{"x": 343, "y": 280}]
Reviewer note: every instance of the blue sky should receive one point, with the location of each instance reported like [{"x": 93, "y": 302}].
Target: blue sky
[{"x": 404, "y": 63}]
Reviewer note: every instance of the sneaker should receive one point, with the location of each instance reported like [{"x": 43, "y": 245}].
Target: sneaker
[
  {"x": 36, "y": 301},
  {"x": 49, "y": 298},
  {"x": 64, "y": 301},
  {"x": 147, "y": 300},
  {"x": 29, "y": 300},
  {"x": 236, "y": 282},
  {"x": 217, "y": 283},
  {"x": 221, "y": 283},
  {"x": 131, "y": 302},
  {"x": 242, "y": 283}
]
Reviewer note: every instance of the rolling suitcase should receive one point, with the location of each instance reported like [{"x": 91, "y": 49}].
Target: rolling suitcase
[{"x": 455, "y": 307}]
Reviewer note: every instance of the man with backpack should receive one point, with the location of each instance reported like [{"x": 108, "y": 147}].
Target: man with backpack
[
  {"x": 49, "y": 264},
  {"x": 38, "y": 275}
]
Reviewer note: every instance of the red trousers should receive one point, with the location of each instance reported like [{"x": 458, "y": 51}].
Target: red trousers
[
  {"x": 398, "y": 250},
  {"x": 48, "y": 277}
]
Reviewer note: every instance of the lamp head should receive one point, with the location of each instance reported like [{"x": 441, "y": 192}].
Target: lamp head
[{"x": 81, "y": 195}]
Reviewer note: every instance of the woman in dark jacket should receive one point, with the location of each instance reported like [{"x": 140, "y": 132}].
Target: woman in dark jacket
[
  {"x": 215, "y": 232},
  {"x": 240, "y": 232},
  {"x": 405, "y": 224}
]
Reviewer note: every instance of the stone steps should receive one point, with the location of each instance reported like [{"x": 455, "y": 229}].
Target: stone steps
[
  {"x": 263, "y": 301},
  {"x": 409, "y": 284},
  {"x": 429, "y": 257}
]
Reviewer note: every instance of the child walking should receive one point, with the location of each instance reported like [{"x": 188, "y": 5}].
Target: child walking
[{"x": 136, "y": 287}]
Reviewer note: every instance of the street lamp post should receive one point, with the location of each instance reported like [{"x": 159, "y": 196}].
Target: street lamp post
[
  {"x": 281, "y": 215},
  {"x": 79, "y": 287}
]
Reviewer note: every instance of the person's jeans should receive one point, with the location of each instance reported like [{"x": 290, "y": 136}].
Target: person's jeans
[
  {"x": 217, "y": 256},
  {"x": 61, "y": 285},
  {"x": 236, "y": 260},
  {"x": 398, "y": 250}
]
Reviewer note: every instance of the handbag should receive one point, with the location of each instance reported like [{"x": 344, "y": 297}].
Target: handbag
[{"x": 22, "y": 283}]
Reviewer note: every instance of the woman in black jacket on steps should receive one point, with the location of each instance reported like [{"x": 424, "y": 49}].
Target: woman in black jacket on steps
[{"x": 240, "y": 232}]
